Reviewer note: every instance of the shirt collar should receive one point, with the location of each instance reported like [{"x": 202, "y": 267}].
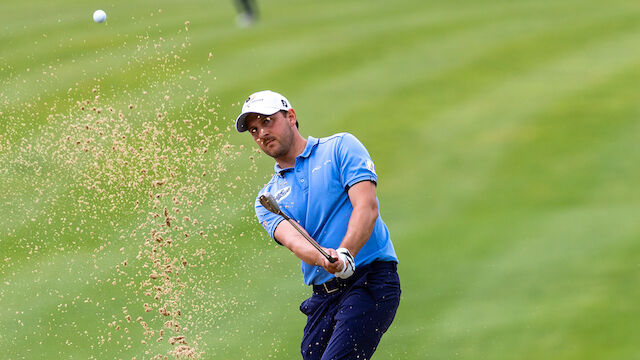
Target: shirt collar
[{"x": 311, "y": 144}]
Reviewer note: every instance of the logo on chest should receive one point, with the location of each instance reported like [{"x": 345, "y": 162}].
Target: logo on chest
[
  {"x": 282, "y": 193},
  {"x": 320, "y": 166}
]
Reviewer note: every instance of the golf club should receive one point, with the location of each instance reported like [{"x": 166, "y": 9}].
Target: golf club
[{"x": 270, "y": 204}]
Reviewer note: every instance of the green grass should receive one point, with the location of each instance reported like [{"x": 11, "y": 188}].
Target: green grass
[{"x": 505, "y": 136}]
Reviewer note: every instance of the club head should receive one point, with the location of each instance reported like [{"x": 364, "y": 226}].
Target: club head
[{"x": 270, "y": 203}]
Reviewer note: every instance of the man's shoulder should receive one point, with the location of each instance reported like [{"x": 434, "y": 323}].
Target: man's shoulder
[
  {"x": 337, "y": 141},
  {"x": 334, "y": 138},
  {"x": 326, "y": 146},
  {"x": 340, "y": 142}
]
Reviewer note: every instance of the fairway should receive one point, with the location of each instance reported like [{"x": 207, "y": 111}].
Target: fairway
[{"x": 505, "y": 135}]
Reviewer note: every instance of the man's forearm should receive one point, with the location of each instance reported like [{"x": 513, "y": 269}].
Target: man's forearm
[
  {"x": 288, "y": 236},
  {"x": 363, "y": 217},
  {"x": 305, "y": 251},
  {"x": 361, "y": 223}
]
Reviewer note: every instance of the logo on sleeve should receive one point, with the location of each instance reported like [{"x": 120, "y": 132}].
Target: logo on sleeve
[{"x": 371, "y": 167}]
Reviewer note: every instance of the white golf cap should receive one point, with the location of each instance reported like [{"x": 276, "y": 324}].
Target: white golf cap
[{"x": 264, "y": 102}]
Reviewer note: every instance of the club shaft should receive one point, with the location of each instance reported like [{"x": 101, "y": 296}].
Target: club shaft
[{"x": 311, "y": 241}]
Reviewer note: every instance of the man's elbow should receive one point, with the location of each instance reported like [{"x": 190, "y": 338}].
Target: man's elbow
[
  {"x": 374, "y": 207},
  {"x": 371, "y": 209}
]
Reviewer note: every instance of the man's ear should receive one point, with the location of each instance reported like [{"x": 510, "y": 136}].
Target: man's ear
[{"x": 292, "y": 117}]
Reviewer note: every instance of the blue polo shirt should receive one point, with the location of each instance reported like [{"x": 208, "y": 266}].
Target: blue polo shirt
[{"x": 314, "y": 192}]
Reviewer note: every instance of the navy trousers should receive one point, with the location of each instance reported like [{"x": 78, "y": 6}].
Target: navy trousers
[{"x": 346, "y": 318}]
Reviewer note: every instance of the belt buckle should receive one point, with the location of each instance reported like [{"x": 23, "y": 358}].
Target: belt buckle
[{"x": 326, "y": 289}]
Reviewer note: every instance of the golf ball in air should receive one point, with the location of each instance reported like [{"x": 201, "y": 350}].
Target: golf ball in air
[{"x": 99, "y": 16}]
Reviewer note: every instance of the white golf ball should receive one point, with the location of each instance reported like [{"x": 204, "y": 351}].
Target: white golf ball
[{"x": 99, "y": 16}]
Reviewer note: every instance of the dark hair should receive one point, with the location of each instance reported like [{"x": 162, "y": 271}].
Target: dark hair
[{"x": 285, "y": 112}]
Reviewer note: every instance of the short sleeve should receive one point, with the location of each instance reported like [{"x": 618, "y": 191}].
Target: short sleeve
[
  {"x": 267, "y": 219},
  {"x": 355, "y": 162}
]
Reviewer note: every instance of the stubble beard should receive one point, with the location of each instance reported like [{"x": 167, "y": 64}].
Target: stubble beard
[{"x": 283, "y": 146}]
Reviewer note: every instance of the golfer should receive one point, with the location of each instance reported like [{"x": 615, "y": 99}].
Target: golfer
[{"x": 328, "y": 186}]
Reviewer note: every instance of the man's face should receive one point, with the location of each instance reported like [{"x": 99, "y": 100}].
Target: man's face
[{"x": 273, "y": 133}]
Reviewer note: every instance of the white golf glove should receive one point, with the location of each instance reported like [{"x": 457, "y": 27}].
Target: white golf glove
[{"x": 349, "y": 264}]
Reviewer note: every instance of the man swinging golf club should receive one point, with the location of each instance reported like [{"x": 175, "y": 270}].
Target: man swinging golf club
[{"x": 325, "y": 189}]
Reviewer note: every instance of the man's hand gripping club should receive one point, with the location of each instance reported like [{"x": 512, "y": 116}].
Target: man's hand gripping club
[
  {"x": 344, "y": 266},
  {"x": 349, "y": 265}
]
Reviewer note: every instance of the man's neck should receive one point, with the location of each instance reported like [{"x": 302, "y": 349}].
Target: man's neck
[{"x": 289, "y": 160}]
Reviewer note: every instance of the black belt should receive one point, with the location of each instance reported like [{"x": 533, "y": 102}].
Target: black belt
[
  {"x": 337, "y": 284},
  {"x": 331, "y": 286}
]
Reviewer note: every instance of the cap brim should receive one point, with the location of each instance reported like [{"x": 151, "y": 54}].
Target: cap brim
[{"x": 241, "y": 125}]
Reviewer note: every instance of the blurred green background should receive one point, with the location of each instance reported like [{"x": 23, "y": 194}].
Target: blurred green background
[{"x": 505, "y": 134}]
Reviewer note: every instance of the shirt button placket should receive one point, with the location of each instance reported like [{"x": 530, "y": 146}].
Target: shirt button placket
[{"x": 300, "y": 176}]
